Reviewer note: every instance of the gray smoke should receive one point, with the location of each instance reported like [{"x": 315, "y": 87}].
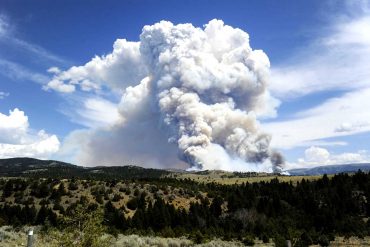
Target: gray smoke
[{"x": 202, "y": 94}]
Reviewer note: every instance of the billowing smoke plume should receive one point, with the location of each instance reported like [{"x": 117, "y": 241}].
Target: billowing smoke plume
[{"x": 200, "y": 96}]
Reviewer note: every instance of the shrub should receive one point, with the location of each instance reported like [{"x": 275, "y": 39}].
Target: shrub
[
  {"x": 248, "y": 241},
  {"x": 132, "y": 203},
  {"x": 72, "y": 186},
  {"x": 324, "y": 240},
  {"x": 197, "y": 237},
  {"x": 136, "y": 192},
  {"x": 116, "y": 197},
  {"x": 128, "y": 192}
]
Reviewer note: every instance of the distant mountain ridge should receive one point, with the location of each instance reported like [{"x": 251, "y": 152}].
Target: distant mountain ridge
[
  {"x": 30, "y": 167},
  {"x": 331, "y": 169}
]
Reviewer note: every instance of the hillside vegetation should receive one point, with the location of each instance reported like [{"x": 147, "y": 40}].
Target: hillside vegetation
[
  {"x": 229, "y": 178},
  {"x": 84, "y": 207},
  {"x": 28, "y": 167}
]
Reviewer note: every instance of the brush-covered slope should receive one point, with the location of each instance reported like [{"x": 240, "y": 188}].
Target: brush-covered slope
[{"x": 16, "y": 167}]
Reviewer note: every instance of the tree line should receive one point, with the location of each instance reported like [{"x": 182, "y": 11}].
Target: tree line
[{"x": 309, "y": 212}]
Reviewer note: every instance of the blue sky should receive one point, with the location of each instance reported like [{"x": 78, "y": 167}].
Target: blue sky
[{"x": 318, "y": 52}]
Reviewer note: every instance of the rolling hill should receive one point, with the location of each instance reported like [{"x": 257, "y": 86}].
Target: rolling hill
[
  {"x": 332, "y": 169},
  {"x": 16, "y": 167},
  {"x": 29, "y": 167}
]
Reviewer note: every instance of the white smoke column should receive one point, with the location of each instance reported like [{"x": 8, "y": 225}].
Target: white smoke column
[
  {"x": 203, "y": 91},
  {"x": 208, "y": 84}
]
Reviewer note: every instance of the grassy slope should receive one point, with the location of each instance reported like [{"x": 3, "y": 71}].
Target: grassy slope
[{"x": 230, "y": 178}]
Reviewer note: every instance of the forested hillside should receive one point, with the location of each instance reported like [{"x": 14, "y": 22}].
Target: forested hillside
[{"x": 307, "y": 212}]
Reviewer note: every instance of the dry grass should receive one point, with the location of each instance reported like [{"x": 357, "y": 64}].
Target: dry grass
[
  {"x": 228, "y": 178},
  {"x": 16, "y": 238},
  {"x": 10, "y": 237},
  {"x": 352, "y": 241},
  {"x": 140, "y": 241}
]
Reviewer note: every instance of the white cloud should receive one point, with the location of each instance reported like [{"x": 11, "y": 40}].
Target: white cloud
[
  {"x": 352, "y": 127},
  {"x": 18, "y": 140},
  {"x": 3, "y": 95},
  {"x": 117, "y": 70},
  {"x": 54, "y": 70},
  {"x": 318, "y": 156},
  {"x": 13, "y": 127},
  {"x": 41, "y": 149},
  {"x": 59, "y": 86}
]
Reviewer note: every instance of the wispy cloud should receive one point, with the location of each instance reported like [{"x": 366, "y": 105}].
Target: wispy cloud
[
  {"x": 322, "y": 121},
  {"x": 3, "y": 95},
  {"x": 8, "y": 37},
  {"x": 36, "y": 50},
  {"x": 90, "y": 111},
  {"x": 4, "y": 26},
  {"x": 17, "y": 71},
  {"x": 337, "y": 60}
]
